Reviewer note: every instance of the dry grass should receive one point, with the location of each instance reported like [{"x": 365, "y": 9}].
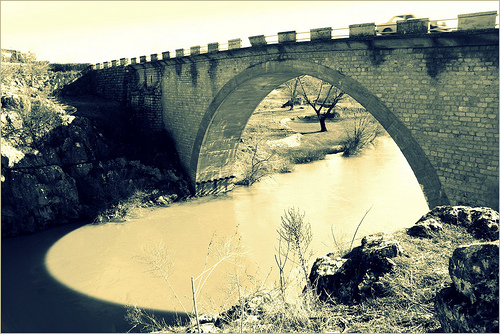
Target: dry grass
[{"x": 408, "y": 306}]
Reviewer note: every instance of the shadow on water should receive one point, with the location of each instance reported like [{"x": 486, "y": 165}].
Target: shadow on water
[{"x": 33, "y": 301}]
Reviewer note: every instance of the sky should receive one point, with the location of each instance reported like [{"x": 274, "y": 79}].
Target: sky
[{"x": 98, "y": 31}]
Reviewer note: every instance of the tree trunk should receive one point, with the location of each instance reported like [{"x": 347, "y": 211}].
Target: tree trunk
[{"x": 322, "y": 123}]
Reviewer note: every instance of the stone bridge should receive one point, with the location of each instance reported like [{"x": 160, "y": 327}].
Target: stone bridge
[{"x": 436, "y": 94}]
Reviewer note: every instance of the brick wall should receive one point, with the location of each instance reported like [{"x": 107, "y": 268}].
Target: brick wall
[{"x": 437, "y": 95}]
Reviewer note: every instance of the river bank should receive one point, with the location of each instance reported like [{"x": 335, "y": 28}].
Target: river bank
[{"x": 411, "y": 295}]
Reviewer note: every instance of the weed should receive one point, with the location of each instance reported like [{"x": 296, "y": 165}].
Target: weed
[
  {"x": 362, "y": 133},
  {"x": 160, "y": 263}
]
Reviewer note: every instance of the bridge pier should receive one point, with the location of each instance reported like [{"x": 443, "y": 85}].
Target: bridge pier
[{"x": 213, "y": 187}]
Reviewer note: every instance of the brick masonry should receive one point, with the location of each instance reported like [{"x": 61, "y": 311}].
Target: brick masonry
[{"x": 436, "y": 95}]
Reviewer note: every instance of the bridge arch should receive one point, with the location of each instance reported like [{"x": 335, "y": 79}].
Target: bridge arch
[{"x": 223, "y": 122}]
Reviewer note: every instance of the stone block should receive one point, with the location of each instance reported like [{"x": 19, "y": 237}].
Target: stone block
[
  {"x": 106, "y": 64},
  {"x": 259, "y": 40},
  {"x": 123, "y": 61},
  {"x": 287, "y": 37},
  {"x": 114, "y": 63},
  {"x": 413, "y": 26},
  {"x": 154, "y": 56},
  {"x": 213, "y": 47},
  {"x": 143, "y": 59},
  {"x": 321, "y": 34},
  {"x": 179, "y": 53},
  {"x": 474, "y": 271},
  {"x": 195, "y": 50},
  {"x": 165, "y": 55},
  {"x": 234, "y": 43},
  {"x": 363, "y": 29},
  {"x": 133, "y": 61},
  {"x": 477, "y": 21}
]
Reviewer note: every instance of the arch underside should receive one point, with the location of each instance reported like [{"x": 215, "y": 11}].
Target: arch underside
[{"x": 224, "y": 121}]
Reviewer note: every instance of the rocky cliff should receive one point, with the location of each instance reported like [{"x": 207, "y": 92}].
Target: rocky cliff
[{"x": 70, "y": 170}]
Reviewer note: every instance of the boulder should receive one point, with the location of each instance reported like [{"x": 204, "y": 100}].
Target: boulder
[
  {"x": 249, "y": 306},
  {"x": 481, "y": 222},
  {"x": 474, "y": 271},
  {"x": 425, "y": 228},
  {"x": 470, "y": 304},
  {"x": 355, "y": 275}
]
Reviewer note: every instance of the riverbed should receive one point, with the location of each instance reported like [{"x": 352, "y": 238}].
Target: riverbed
[{"x": 79, "y": 278}]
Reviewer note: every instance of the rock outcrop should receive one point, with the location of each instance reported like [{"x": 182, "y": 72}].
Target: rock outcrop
[
  {"x": 481, "y": 222},
  {"x": 470, "y": 304},
  {"x": 74, "y": 173},
  {"x": 355, "y": 275}
]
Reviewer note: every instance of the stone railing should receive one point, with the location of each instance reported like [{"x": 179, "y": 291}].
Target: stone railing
[{"x": 473, "y": 21}]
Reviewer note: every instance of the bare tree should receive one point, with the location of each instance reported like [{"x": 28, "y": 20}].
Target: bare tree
[
  {"x": 290, "y": 87},
  {"x": 324, "y": 104}
]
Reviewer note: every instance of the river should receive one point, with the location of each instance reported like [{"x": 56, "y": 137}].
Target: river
[{"x": 79, "y": 277}]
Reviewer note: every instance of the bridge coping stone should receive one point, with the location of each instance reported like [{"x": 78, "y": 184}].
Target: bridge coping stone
[
  {"x": 475, "y": 21},
  {"x": 143, "y": 59},
  {"x": 259, "y": 40},
  {"x": 165, "y": 55},
  {"x": 414, "y": 26},
  {"x": 179, "y": 53},
  {"x": 234, "y": 43},
  {"x": 287, "y": 37},
  {"x": 213, "y": 47},
  {"x": 154, "y": 56},
  {"x": 321, "y": 34},
  {"x": 195, "y": 50},
  {"x": 362, "y": 29}
]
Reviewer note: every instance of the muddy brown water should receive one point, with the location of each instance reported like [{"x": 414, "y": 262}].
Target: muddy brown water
[{"x": 79, "y": 278}]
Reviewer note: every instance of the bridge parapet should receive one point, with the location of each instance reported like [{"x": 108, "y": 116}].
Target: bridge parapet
[{"x": 465, "y": 22}]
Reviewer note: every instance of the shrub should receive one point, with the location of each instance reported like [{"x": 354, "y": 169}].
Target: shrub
[
  {"x": 360, "y": 135},
  {"x": 26, "y": 120}
]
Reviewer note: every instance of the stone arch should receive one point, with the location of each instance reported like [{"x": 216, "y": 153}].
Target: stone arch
[{"x": 226, "y": 117}]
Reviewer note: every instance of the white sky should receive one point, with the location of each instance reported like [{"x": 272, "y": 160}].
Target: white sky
[{"x": 97, "y": 31}]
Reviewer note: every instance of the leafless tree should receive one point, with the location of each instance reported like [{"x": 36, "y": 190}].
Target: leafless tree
[
  {"x": 290, "y": 87},
  {"x": 327, "y": 98}
]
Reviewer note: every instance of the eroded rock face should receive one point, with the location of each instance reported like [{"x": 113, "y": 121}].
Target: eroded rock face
[
  {"x": 471, "y": 303},
  {"x": 481, "y": 222},
  {"x": 37, "y": 199},
  {"x": 73, "y": 175},
  {"x": 355, "y": 275}
]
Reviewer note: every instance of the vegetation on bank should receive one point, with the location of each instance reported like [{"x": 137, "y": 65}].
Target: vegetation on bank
[
  {"x": 29, "y": 111},
  {"x": 276, "y": 138}
]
